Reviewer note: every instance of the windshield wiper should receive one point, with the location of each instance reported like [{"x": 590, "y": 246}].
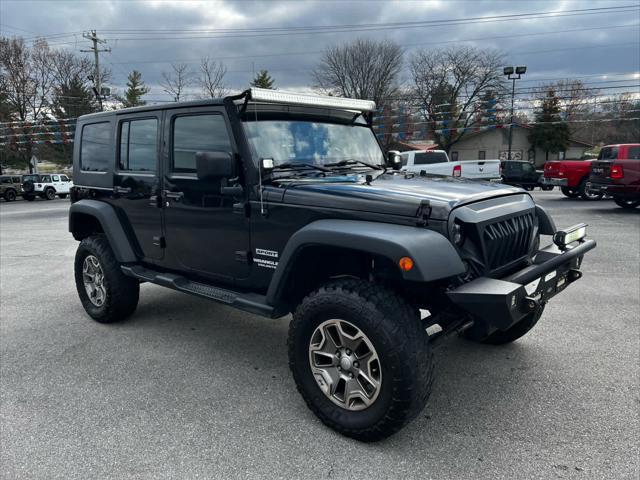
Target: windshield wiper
[
  {"x": 299, "y": 166},
  {"x": 345, "y": 163}
]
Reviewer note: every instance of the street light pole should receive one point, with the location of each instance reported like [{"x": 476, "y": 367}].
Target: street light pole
[{"x": 508, "y": 71}]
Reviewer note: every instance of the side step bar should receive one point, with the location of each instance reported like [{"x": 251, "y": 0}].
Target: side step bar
[{"x": 249, "y": 302}]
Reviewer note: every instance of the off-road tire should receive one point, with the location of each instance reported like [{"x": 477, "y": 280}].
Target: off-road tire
[
  {"x": 29, "y": 198},
  {"x": 584, "y": 194},
  {"x": 122, "y": 292},
  {"x": 62, "y": 195},
  {"x": 517, "y": 331},
  {"x": 629, "y": 204},
  {"x": 10, "y": 195},
  {"x": 569, "y": 192},
  {"x": 402, "y": 345},
  {"x": 49, "y": 194}
]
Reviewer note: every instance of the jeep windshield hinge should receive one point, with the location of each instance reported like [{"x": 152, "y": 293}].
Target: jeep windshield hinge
[{"x": 423, "y": 213}]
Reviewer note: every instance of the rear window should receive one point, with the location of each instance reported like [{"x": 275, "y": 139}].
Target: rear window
[
  {"x": 608, "y": 153},
  {"x": 5, "y": 180},
  {"x": 95, "y": 150},
  {"x": 428, "y": 158}
]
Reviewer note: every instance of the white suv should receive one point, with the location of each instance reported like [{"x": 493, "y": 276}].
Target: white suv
[{"x": 46, "y": 186}]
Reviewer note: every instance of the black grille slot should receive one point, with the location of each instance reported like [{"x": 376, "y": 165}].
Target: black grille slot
[{"x": 508, "y": 240}]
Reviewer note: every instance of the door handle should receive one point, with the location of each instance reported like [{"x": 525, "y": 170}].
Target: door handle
[
  {"x": 177, "y": 196},
  {"x": 121, "y": 189}
]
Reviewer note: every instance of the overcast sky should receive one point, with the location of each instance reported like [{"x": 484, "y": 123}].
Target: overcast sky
[{"x": 589, "y": 46}]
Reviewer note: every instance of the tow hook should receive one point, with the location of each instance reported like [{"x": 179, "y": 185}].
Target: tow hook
[{"x": 530, "y": 304}]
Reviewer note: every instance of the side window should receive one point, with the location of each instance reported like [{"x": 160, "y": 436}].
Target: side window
[
  {"x": 94, "y": 147},
  {"x": 634, "y": 153},
  {"x": 482, "y": 155},
  {"x": 64, "y": 178},
  {"x": 16, "y": 179},
  {"x": 139, "y": 145},
  {"x": 55, "y": 178},
  {"x": 45, "y": 179},
  {"x": 197, "y": 133},
  {"x": 6, "y": 180},
  {"x": 405, "y": 158}
]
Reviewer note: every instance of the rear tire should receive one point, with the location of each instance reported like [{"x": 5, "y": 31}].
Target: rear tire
[
  {"x": 517, "y": 331},
  {"x": 10, "y": 195},
  {"x": 546, "y": 188},
  {"x": 107, "y": 295},
  {"x": 49, "y": 194},
  {"x": 569, "y": 192},
  {"x": 628, "y": 204},
  {"x": 585, "y": 194},
  {"x": 392, "y": 329}
]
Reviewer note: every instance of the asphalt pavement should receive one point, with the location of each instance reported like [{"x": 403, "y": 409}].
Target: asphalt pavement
[{"x": 190, "y": 389}]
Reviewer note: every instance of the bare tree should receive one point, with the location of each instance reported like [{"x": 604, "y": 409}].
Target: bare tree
[
  {"x": 177, "y": 81},
  {"x": 211, "y": 78},
  {"x": 451, "y": 85},
  {"x": 366, "y": 69}
]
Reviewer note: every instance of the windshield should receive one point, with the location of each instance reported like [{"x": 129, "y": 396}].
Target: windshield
[{"x": 317, "y": 143}]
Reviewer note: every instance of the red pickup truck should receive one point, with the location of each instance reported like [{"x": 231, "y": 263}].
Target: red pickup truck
[
  {"x": 572, "y": 177},
  {"x": 616, "y": 172}
]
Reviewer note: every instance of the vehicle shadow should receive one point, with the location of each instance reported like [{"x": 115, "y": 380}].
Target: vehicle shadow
[{"x": 476, "y": 386}]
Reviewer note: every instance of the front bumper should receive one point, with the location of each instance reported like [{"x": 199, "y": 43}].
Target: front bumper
[
  {"x": 558, "y": 182},
  {"x": 498, "y": 304}
]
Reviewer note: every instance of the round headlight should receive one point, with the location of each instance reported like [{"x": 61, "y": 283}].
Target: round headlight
[{"x": 458, "y": 234}]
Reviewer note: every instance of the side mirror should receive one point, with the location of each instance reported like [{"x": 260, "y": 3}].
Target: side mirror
[
  {"x": 211, "y": 165},
  {"x": 394, "y": 160}
]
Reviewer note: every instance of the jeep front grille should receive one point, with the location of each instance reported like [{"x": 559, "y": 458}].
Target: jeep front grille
[{"x": 508, "y": 240}]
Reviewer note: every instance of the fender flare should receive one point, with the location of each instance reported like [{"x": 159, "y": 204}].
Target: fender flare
[
  {"x": 111, "y": 226},
  {"x": 546, "y": 224},
  {"x": 433, "y": 255}
]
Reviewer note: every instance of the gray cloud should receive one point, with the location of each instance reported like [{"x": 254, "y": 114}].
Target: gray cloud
[{"x": 548, "y": 55}]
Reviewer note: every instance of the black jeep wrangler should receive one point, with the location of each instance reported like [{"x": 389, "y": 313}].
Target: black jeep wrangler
[{"x": 278, "y": 203}]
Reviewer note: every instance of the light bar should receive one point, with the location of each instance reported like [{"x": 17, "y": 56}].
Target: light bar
[
  {"x": 562, "y": 238},
  {"x": 278, "y": 96}
]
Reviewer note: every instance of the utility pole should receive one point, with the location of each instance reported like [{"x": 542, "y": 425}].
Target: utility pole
[{"x": 96, "y": 76}]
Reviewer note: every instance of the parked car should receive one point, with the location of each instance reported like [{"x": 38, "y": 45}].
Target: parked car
[
  {"x": 436, "y": 162},
  {"x": 617, "y": 173},
  {"x": 10, "y": 187},
  {"x": 276, "y": 203},
  {"x": 571, "y": 176},
  {"x": 45, "y": 186},
  {"x": 522, "y": 174}
]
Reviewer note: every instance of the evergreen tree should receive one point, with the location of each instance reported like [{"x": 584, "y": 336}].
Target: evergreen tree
[
  {"x": 263, "y": 80},
  {"x": 72, "y": 99},
  {"x": 550, "y": 137},
  {"x": 136, "y": 89}
]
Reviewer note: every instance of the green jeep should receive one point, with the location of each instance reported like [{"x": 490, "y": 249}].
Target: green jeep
[{"x": 10, "y": 187}]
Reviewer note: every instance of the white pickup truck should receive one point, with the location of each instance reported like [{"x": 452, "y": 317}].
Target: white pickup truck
[{"x": 436, "y": 162}]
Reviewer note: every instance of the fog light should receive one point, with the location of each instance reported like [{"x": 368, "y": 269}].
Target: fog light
[{"x": 562, "y": 238}]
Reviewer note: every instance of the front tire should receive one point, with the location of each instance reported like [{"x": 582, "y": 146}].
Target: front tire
[
  {"x": 49, "y": 194},
  {"x": 626, "y": 203},
  {"x": 107, "y": 295},
  {"x": 334, "y": 331},
  {"x": 569, "y": 192}
]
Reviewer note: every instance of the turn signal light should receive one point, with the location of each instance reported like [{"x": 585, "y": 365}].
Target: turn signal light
[
  {"x": 406, "y": 264},
  {"x": 616, "y": 172},
  {"x": 457, "y": 171}
]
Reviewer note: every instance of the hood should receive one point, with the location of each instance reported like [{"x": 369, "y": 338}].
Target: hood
[{"x": 395, "y": 194}]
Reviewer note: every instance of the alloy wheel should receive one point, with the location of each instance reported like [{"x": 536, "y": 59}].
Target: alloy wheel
[
  {"x": 345, "y": 364},
  {"x": 93, "y": 279}
]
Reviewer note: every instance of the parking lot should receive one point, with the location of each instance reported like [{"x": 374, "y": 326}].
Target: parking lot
[{"x": 191, "y": 389}]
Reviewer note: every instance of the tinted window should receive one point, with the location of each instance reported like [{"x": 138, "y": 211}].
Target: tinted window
[
  {"x": 608, "y": 153},
  {"x": 634, "y": 153},
  {"x": 197, "y": 133},
  {"x": 405, "y": 159},
  {"x": 138, "y": 145},
  {"x": 64, "y": 178},
  {"x": 45, "y": 179},
  {"x": 16, "y": 179},
  {"x": 5, "y": 180},
  {"x": 94, "y": 147},
  {"x": 428, "y": 158}
]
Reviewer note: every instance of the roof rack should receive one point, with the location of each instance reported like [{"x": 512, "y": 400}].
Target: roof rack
[{"x": 293, "y": 98}]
